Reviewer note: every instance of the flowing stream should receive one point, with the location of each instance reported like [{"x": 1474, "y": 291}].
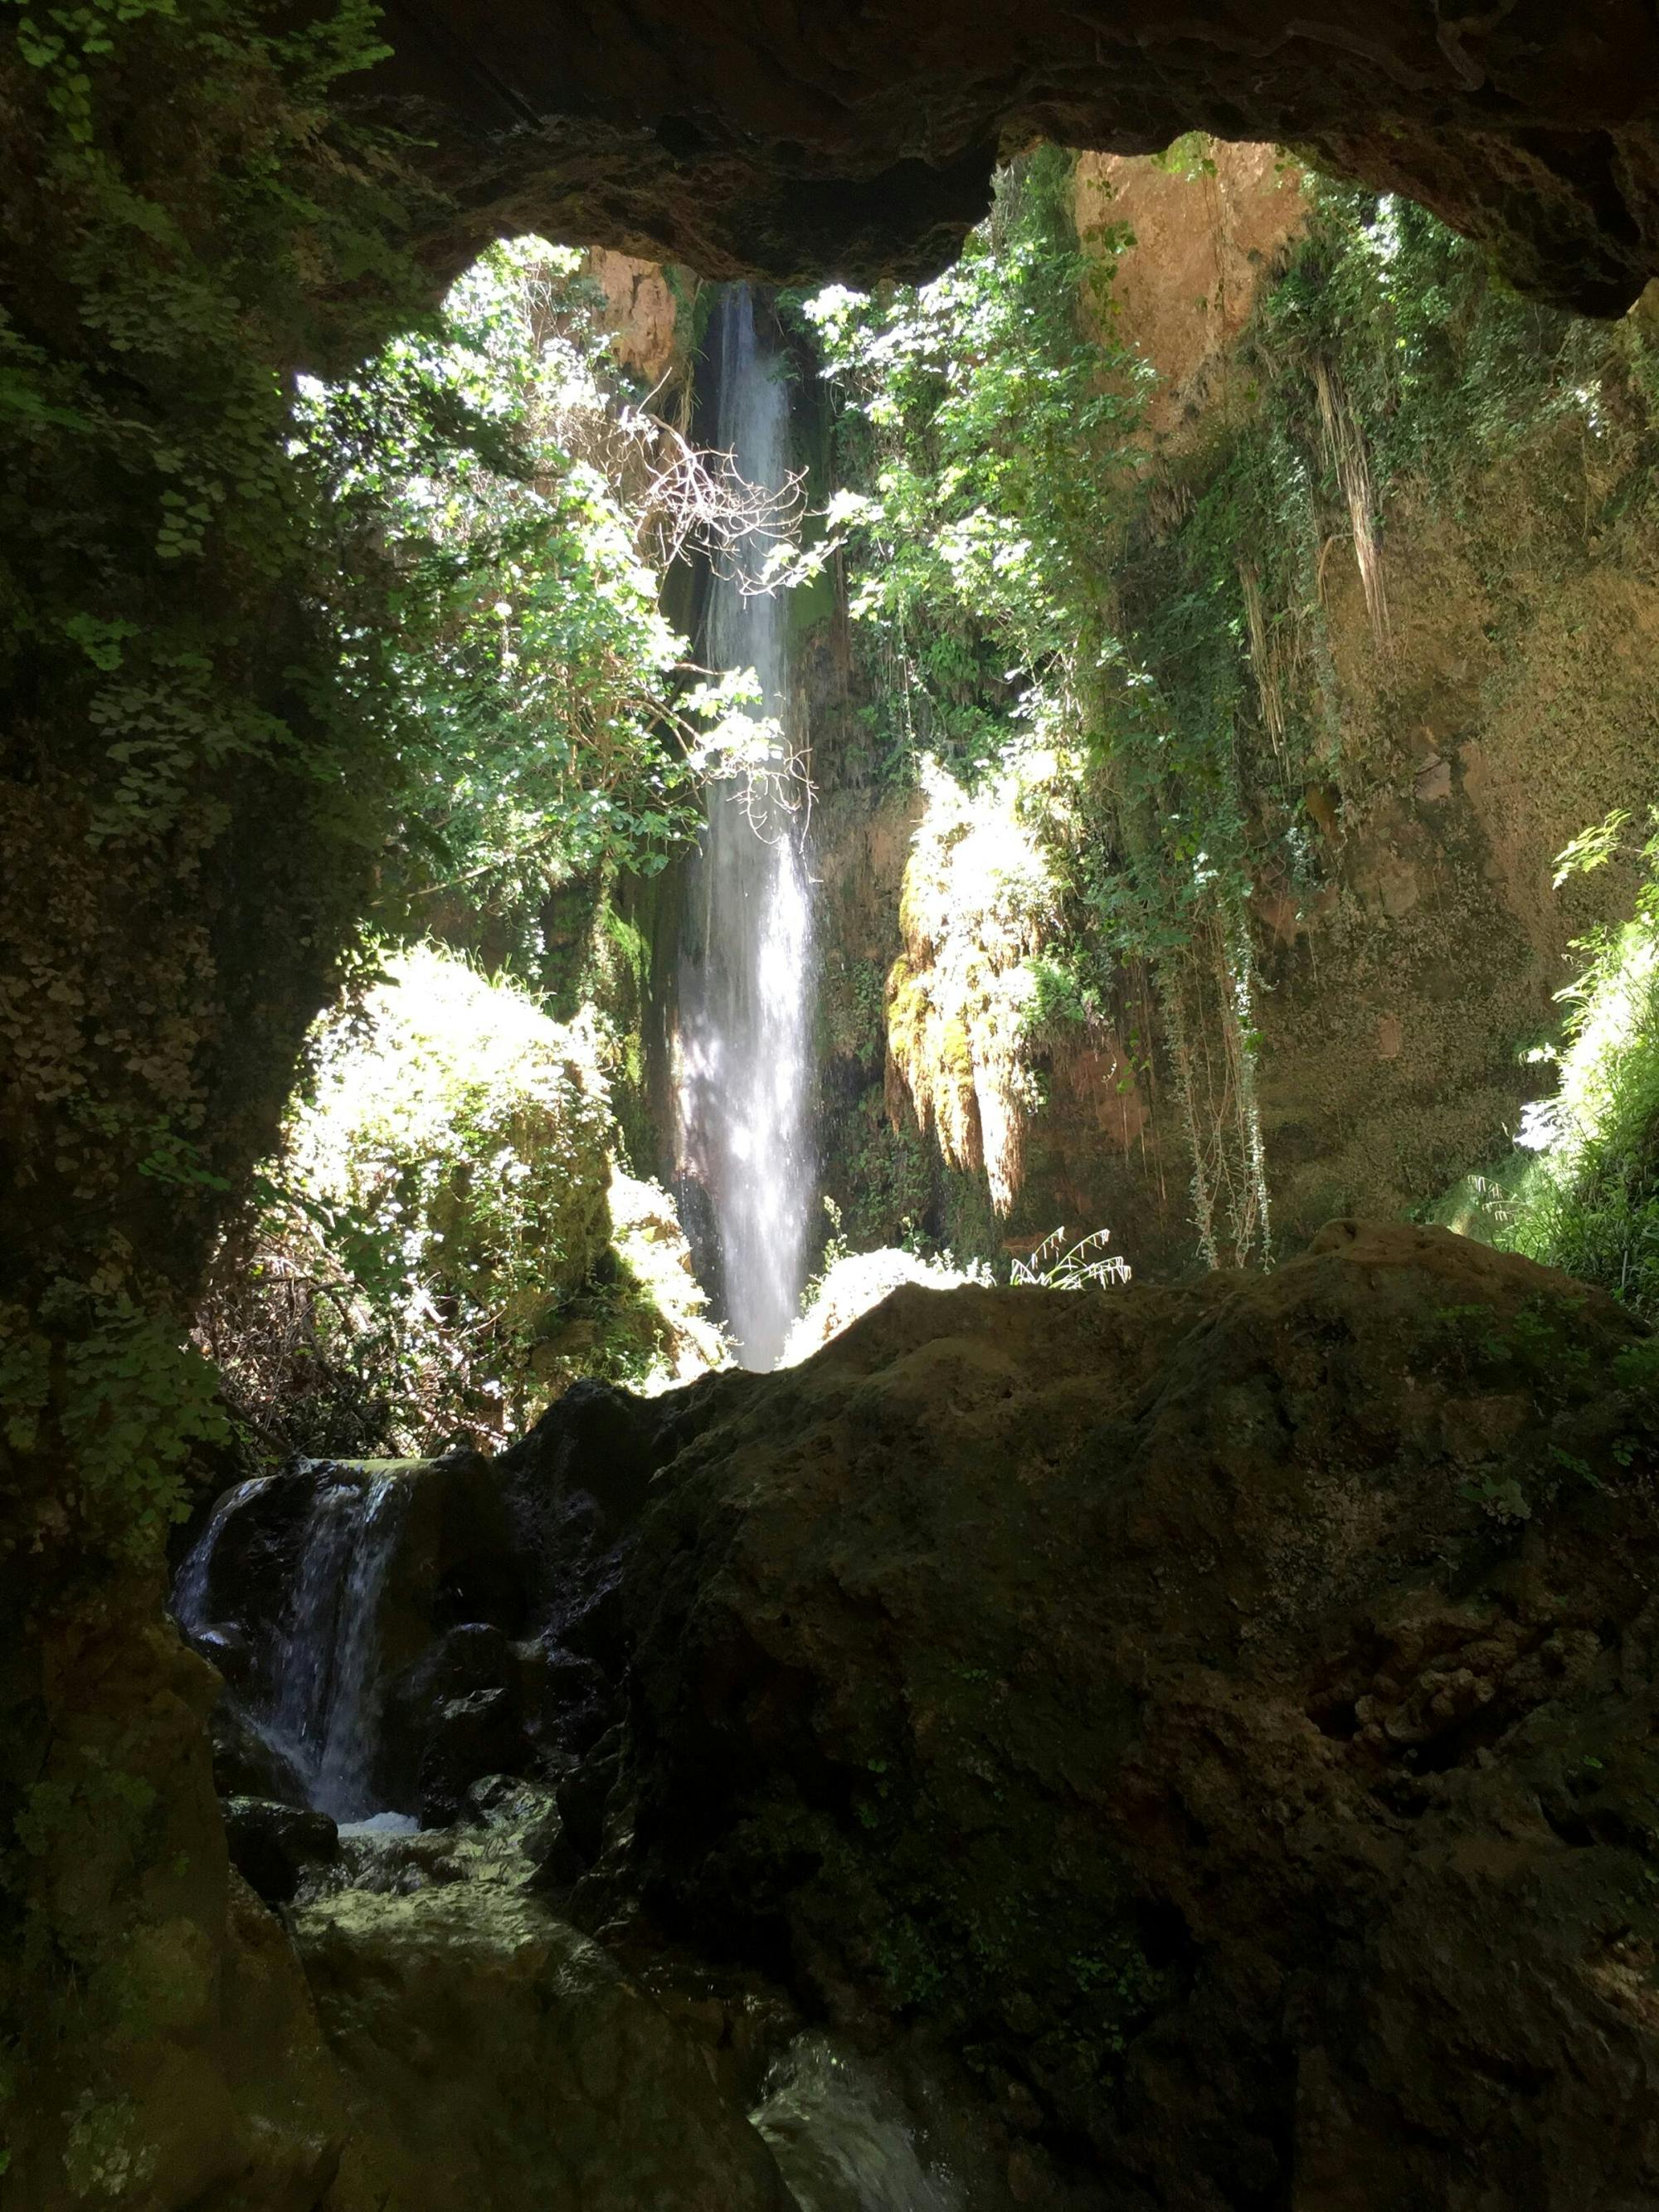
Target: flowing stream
[{"x": 746, "y": 964}]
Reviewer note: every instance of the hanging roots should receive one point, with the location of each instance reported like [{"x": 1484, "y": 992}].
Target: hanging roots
[{"x": 1345, "y": 450}]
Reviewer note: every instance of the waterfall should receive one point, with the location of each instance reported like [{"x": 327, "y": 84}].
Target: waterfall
[
  {"x": 321, "y": 1657},
  {"x": 744, "y": 980},
  {"x": 344, "y": 1734}
]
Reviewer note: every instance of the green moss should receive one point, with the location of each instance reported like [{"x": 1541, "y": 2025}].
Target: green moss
[{"x": 105, "y": 2157}]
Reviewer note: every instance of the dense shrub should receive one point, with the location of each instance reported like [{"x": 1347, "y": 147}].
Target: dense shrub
[
  {"x": 1583, "y": 1194},
  {"x": 436, "y": 1256}
]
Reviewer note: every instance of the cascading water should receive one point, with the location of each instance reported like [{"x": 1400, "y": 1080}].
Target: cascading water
[
  {"x": 745, "y": 979},
  {"x": 318, "y": 1713}
]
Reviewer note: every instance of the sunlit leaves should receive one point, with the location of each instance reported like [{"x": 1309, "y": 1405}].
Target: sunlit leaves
[
  {"x": 1001, "y": 429},
  {"x": 539, "y": 732}
]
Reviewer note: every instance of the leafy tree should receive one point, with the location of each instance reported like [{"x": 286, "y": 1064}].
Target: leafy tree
[
  {"x": 997, "y": 445},
  {"x": 549, "y": 725}
]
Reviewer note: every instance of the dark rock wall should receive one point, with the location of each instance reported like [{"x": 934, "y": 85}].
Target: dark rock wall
[
  {"x": 1216, "y": 1720},
  {"x": 743, "y": 140}
]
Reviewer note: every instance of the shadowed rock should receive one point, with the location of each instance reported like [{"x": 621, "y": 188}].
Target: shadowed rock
[
  {"x": 1224, "y": 1717},
  {"x": 501, "y": 2060},
  {"x": 746, "y": 140},
  {"x": 272, "y": 1846},
  {"x": 1208, "y": 1733}
]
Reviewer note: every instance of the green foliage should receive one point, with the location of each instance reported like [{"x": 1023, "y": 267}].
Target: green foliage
[
  {"x": 176, "y": 591},
  {"x": 988, "y": 439},
  {"x": 136, "y": 1403},
  {"x": 1084, "y": 1264},
  {"x": 1589, "y": 1203},
  {"x": 1173, "y": 647},
  {"x": 435, "y": 1254},
  {"x": 1188, "y": 157},
  {"x": 450, "y": 1165},
  {"x": 269, "y": 643},
  {"x": 1447, "y": 367},
  {"x": 851, "y": 1010},
  {"x": 507, "y": 472},
  {"x": 1001, "y": 463},
  {"x": 104, "y": 2155},
  {"x": 148, "y": 429},
  {"x": 129, "y": 1404}
]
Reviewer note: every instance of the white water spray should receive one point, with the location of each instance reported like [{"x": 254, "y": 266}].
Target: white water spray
[
  {"x": 745, "y": 965},
  {"x": 321, "y": 1712}
]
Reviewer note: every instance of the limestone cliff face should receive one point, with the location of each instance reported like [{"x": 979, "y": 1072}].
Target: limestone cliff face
[
  {"x": 1473, "y": 659},
  {"x": 1487, "y": 695},
  {"x": 643, "y": 311},
  {"x": 1206, "y": 232},
  {"x": 1511, "y": 706}
]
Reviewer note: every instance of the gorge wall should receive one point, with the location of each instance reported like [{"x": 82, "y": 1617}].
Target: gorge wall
[
  {"x": 1424, "y": 707},
  {"x": 200, "y": 796}
]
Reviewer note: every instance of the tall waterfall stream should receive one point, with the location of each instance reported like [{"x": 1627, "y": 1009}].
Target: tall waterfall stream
[
  {"x": 314, "y": 1690},
  {"x": 744, "y": 1072}
]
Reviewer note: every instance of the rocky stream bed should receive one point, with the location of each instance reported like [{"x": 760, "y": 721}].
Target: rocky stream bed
[{"x": 1132, "y": 1748}]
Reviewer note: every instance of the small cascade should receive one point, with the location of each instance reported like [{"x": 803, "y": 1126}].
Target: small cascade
[
  {"x": 314, "y": 1700},
  {"x": 346, "y": 1746},
  {"x": 842, "y": 2140},
  {"x": 191, "y": 1608},
  {"x": 745, "y": 967}
]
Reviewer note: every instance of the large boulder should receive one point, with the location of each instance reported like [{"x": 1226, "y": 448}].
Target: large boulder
[
  {"x": 1207, "y": 1735},
  {"x": 272, "y": 1846},
  {"x": 500, "y": 2061},
  {"x": 455, "y": 1714},
  {"x": 213, "y": 2088},
  {"x": 1221, "y": 1720}
]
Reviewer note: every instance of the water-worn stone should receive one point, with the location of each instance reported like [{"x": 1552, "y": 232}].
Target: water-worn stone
[
  {"x": 272, "y": 1846},
  {"x": 225, "y": 1647},
  {"x": 500, "y": 2061},
  {"x": 574, "y": 1701},
  {"x": 1225, "y": 1716},
  {"x": 246, "y": 1765},
  {"x": 455, "y": 1715},
  {"x": 583, "y": 1795}
]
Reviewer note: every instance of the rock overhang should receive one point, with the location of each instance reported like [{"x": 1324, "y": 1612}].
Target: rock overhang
[{"x": 749, "y": 137}]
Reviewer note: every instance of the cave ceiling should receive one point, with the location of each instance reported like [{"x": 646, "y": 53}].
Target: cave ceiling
[{"x": 849, "y": 138}]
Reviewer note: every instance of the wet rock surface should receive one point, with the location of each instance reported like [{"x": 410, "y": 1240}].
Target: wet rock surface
[
  {"x": 272, "y": 1846},
  {"x": 246, "y": 1765},
  {"x": 1199, "y": 1744},
  {"x": 502, "y": 2060},
  {"x": 754, "y": 141},
  {"x": 1224, "y": 1718}
]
